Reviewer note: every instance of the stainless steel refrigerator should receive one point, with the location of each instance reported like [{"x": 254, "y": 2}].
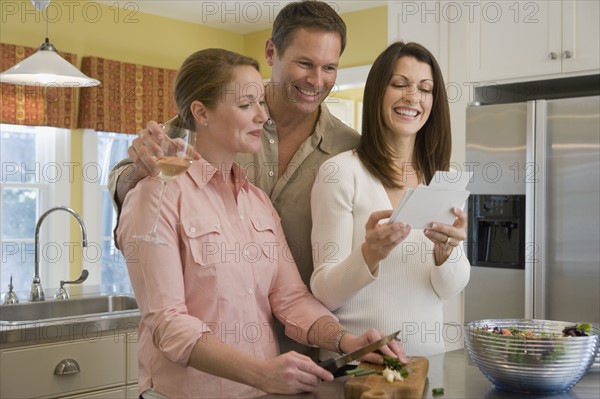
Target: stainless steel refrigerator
[{"x": 534, "y": 210}]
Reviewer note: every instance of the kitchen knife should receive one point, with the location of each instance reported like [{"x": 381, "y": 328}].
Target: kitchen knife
[{"x": 335, "y": 363}]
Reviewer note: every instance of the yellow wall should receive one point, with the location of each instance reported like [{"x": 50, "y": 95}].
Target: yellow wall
[
  {"x": 92, "y": 29},
  {"x": 367, "y": 36},
  {"x": 105, "y": 32},
  {"x": 255, "y": 48}
]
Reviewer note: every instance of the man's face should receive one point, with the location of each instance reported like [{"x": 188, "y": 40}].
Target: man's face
[{"x": 305, "y": 73}]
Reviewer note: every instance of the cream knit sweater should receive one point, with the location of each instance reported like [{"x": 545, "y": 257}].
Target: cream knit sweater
[{"x": 407, "y": 290}]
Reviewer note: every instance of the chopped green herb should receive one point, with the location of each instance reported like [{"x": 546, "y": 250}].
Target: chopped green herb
[
  {"x": 354, "y": 371},
  {"x": 404, "y": 373},
  {"x": 360, "y": 371},
  {"x": 395, "y": 365},
  {"x": 392, "y": 363},
  {"x": 367, "y": 372},
  {"x": 437, "y": 391}
]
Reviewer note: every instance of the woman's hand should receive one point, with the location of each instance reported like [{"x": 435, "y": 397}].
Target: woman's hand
[
  {"x": 394, "y": 349},
  {"x": 291, "y": 373},
  {"x": 446, "y": 237},
  {"x": 381, "y": 238}
]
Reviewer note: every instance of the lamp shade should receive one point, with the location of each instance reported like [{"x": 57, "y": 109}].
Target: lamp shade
[{"x": 46, "y": 67}]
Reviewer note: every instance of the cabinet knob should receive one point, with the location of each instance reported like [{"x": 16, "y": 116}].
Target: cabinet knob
[
  {"x": 553, "y": 55},
  {"x": 568, "y": 54},
  {"x": 66, "y": 367}
]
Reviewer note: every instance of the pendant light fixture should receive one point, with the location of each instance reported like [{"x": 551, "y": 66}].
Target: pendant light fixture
[{"x": 45, "y": 67}]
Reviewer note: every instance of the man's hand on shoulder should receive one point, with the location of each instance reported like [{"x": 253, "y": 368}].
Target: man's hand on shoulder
[
  {"x": 141, "y": 152},
  {"x": 144, "y": 150}
]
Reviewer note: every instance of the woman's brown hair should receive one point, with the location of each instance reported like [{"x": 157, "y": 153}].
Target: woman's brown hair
[{"x": 433, "y": 144}]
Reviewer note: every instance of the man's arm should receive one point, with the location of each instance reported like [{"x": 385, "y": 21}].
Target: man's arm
[{"x": 122, "y": 178}]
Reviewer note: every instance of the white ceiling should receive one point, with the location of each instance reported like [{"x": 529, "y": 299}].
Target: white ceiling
[{"x": 239, "y": 16}]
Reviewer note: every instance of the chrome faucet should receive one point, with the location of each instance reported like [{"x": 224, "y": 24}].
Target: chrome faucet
[{"x": 37, "y": 293}]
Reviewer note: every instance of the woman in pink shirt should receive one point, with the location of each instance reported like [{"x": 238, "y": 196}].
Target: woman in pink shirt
[{"x": 208, "y": 297}]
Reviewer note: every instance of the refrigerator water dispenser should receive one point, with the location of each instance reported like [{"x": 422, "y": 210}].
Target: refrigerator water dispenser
[{"x": 497, "y": 231}]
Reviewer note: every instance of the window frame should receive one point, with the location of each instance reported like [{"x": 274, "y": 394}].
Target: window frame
[
  {"x": 92, "y": 193},
  {"x": 53, "y": 149}
]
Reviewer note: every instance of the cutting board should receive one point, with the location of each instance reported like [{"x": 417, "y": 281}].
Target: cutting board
[{"x": 374, "y": 386}]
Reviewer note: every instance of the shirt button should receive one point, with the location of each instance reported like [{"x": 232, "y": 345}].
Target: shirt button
[
  {"x": 242, "y": 217},
  {"x": 272, "y": 141},
  {"x": 271, "y": 173},
  {"x": 192, "y": 230},
  {"x": 250, "y": 291}
]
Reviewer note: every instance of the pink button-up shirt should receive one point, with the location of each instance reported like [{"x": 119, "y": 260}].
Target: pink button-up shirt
[{"x": 226, "y": 270}]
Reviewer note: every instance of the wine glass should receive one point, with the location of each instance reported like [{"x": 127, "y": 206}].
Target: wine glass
[{"x": 178, "y": 148}]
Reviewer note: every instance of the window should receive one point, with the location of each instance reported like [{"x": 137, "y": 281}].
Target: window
[
  {"x": 36, "y": 175},
  {"x": 101, "y": 151},
  {"x": 342, "y": 109}
]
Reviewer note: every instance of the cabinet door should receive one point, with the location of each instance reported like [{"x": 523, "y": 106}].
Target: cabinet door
[
  {"x": 132, "y": 358},
  {"x": 132, "y": 392},
  {"x": 511, "y": 39},
  {"x": 425, "y": 23},
  {"x": 120, "y": 393},
  {"x": 30, "y": 372},
  {"x": 581, "y": 35}
]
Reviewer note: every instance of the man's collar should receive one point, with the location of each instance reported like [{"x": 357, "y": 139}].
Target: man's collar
[
  {"x": 323, "y": 127},
  {"x": 320, "y": 135}
]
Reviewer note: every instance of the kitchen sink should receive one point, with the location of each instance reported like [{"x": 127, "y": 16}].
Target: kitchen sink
[{"x": 75, "y": 307}]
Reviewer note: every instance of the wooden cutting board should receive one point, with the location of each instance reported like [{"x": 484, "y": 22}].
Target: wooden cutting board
[{"x": 374, "y": 386}]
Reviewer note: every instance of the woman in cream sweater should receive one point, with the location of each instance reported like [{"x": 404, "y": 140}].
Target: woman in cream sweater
[{"x": 371, "y": 273}]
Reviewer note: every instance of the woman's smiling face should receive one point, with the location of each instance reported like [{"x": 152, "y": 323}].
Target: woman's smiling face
[
  {"x": 408, "y": 98},
  {"x": 235, "y": 124}
]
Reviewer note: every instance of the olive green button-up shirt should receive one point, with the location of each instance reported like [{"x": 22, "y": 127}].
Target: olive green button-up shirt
[{"x": 290, "y": 193}]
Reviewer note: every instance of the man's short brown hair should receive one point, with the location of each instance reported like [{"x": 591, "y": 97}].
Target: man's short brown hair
[{"x": 307, "y": 14}]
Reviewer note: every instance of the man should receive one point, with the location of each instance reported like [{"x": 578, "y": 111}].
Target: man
[{"x": 307, "y": 41}]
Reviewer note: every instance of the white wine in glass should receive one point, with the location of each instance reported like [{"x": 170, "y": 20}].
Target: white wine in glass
[{"x": 178, "y": 148}]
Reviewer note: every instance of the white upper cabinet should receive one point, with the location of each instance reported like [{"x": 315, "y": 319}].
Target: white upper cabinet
[
  {"x": 581, "y": 35},
  {"x": 423, "y": 22},
  {"x": 518, "y": 39}
]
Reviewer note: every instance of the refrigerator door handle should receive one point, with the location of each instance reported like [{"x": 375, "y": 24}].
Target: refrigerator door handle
[
  {"x": 529, "y": 211},
  {"x": 535, "y": 214}
]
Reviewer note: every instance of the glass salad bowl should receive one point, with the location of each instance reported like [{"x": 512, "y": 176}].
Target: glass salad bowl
[{"x": 530, "y": 356}]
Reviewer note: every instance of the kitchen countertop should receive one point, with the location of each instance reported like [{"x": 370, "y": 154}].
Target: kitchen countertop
[{"x": 461, "y": 378}]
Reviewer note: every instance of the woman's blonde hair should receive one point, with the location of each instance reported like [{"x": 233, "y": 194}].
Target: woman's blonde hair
[{"x": 202, "y": 77}]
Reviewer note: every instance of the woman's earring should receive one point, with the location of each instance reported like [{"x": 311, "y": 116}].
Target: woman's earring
[{"x": 205, "y": 123}]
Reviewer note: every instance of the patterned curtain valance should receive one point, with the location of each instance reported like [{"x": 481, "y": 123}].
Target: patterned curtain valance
[
  {"x": 129, "y": 96},
  {"x": 44, "y": 105}
]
